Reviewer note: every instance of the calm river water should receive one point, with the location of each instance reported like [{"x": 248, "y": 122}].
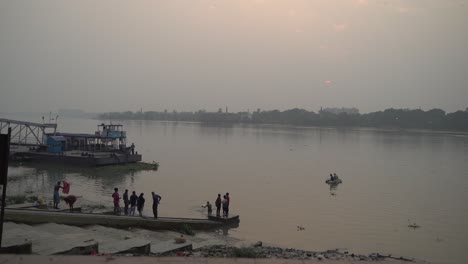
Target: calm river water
[{"x": 276, "y": 178}]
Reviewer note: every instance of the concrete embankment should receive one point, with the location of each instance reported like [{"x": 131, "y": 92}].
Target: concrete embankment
[
  {"x": 53, "y": 239},
  {"x": 80, "y": 219},
  {"x": 22, "y": 259}
]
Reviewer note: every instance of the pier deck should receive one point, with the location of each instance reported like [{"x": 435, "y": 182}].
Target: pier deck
[
  {"x": 82, "y": 219},
  {"x": 75, "y": 158}
]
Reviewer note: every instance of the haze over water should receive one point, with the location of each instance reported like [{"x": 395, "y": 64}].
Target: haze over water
[{"x": 276, "y": 178}]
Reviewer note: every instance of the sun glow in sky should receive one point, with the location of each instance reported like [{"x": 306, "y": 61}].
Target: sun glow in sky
[{"x": 205, "y": 54}]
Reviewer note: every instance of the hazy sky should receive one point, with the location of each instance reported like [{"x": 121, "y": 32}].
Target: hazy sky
[{"x": 245, "y": 54}]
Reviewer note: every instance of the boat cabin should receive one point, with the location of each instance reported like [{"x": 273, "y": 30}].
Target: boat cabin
[{"x": 108, "y": 137}]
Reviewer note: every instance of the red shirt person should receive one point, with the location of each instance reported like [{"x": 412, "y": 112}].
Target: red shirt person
[{"x": 116, "y": 197}]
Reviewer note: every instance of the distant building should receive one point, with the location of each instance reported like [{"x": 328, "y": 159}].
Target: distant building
[
  {"x": 245, "y": 116},
  {"x": 336, "y": 110}
]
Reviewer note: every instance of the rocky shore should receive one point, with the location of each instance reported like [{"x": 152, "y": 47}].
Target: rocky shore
[{"x": 259, "y": 251}]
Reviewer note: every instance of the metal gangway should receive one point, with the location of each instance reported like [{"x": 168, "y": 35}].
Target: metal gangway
[{"x": 26, "y": 133}]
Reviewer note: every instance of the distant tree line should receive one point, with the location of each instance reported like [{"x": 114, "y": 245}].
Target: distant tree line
[{"x": 435, "y": 119}]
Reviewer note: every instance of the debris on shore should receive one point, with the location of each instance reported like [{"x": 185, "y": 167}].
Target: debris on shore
[{"x": 258, "y": 251}]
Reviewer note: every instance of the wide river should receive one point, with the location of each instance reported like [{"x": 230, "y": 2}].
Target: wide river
[{"x": 276, "y": 177}]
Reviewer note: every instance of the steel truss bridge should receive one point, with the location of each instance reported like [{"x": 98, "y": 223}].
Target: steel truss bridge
[{"x": 26, "y": 133}]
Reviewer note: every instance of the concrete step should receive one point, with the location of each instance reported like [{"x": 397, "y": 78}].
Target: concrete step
[
  {"x": 110, "y": 240},
  {"x": 132, "y": 245},
  {"x": 44, "y": 242},
  {"x": 58, "y": 229},
  {"x": 111, "y": 233}
]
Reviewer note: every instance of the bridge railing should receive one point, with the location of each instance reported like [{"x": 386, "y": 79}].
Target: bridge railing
[{"x": 26, "y": 133}]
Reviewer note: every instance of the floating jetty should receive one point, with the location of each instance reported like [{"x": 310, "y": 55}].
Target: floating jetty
[
  {"x": 36, "y": 216},
  {"x": 41, "y": 142},
  {"x": 78, "y": 158}
]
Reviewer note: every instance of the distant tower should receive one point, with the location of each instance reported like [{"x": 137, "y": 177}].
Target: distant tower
[
  {"x": 141, "y": 110},
  {"x": 226, "y": 109}
]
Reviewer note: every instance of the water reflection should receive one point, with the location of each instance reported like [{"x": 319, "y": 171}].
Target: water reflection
[
  {"x": 333, "y": 189},
  {"x": 38, "y": 178}
]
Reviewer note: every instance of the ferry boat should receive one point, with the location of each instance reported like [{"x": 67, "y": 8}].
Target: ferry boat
[{"x": 107, "y": 146}]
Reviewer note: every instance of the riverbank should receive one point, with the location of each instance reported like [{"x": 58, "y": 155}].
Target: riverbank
[
  {"x": 22, "y": 259},
  {"x": 258, "y": 251},
  {"x": 210, "y": 244},
  {"x": 136, "y": 242}
]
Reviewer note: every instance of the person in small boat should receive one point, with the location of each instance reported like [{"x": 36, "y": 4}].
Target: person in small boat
[
  {"x": 331, "y": 177},
  {"x": 335, "y": 177},
  {"x": 57, "y": 195}
]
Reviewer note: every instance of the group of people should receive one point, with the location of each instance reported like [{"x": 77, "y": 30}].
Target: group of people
[
  {"x": 134, "y": 202},
  {"x": 333, "y": 177},
  {"x": 220, "y": 203}
]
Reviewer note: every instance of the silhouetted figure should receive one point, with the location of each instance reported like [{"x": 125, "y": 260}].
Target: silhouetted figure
[
  {"x": 140, "y": 204},
  {"x": 225, "y": 206},
  {"x": 57, "y": 195},
  {"x": 156, "y": 200},
  {"x": 208, "y": 205},
  {"x": 133, "y": 203},
  {"x": 132, "y": 148},
  {"x": 126, "y": 202},
  {"x": 218, "y": 205},
  {"x": 228, "y": 202},
  {"x": 116, "y": 198}
]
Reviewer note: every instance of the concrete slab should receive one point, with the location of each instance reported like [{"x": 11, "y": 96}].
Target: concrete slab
[
  {"x": 81, "y": 219},
  {"x": 133, "y": 245},
  {"x": 110, "y": 240},
  {"x": 45, "y": 243},
  {"x": 111, "y": 233}
]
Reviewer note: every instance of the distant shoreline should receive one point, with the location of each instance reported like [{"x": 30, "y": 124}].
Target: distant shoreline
[{"x": 351, "y": 128}]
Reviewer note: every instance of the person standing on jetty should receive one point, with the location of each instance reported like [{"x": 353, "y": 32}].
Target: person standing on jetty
[
  {"x": 218, "y": 205},
  {"x": 156, "y": 200},
  {"x": 140, "y": 204},
  {"x": 228, "y": 199},
  {"x": 116, "y": 197},
  {"x": 225, "y": 206},
  {"x": 133, "y": 203},
  {"x": 57, "y": 195},
  {"x": 208, "y": 205},
  {"x": 126, "y": 202}
]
